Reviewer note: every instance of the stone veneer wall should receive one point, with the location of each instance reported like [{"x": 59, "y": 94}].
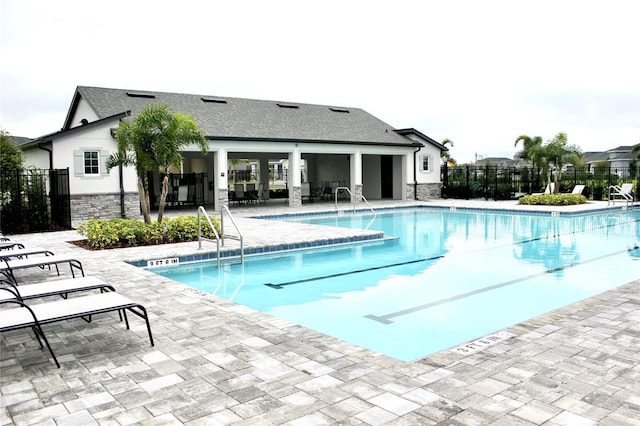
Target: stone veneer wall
[
  {"x": 223, "y": 197},
  {"x": 358, "y": 194},
  {"x": 426, "y": 191},
  {"x": 297, "y": 196},
  {"x": 103, "y": 206}
]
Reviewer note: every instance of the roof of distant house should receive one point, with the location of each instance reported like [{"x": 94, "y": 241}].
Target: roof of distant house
[
  {"x": 592, "y": 157},
  {"x": 20, "y": 140}
]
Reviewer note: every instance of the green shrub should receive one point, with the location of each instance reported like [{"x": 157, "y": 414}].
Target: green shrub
[
  {"x": 112, "y": 233},
  {"x": 185, "y": 228},
  {"x": 553, "y": 199}
]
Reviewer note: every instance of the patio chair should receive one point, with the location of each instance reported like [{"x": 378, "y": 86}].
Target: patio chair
[
  {"x": 306, "y": 191},
  {"x": 578, "y": 189},
  {"x": 52, "y": 288},
  {"x": 238, "y": 193},
  {"x": 8, "y": 266},
  {"x": 34, "y": 316},
  {"x": 548, "y": 190},
  {"x": 250, "y": 193},
  {"x": 261, "y": 191},
  {"x": 23, "y": 253},
  {"x": 326, "y": 190},
  {"x": 183, "y": 195},
  {"x": 623, "y": 192},
  {"x": 10, "y": 245}
]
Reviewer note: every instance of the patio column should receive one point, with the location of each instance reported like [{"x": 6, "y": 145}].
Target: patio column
[
  {"x": 293, "y": 177},
  {"x": 221, "y": 179},
  {"x": 355, "y": 164},
  {"x": 264, "y": 176}
]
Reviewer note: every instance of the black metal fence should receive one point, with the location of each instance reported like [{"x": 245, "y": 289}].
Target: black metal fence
[
  {"x": 504, "y": 183},
  {"x": 192, "y": 183},
  {"x": 34, "y": 200}
]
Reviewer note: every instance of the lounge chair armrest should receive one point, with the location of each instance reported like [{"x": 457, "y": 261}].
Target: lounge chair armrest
[{"x": 15, "y": 294}]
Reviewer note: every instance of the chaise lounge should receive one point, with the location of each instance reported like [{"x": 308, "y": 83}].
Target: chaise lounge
[
  {"x": 24, "y": 252},
  {"x": 8, "y": 266},
  {"x": 52, "y": 288},
  {"x": 34, "y": 316}
]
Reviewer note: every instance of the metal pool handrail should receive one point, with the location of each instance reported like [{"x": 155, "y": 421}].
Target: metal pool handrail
[
  {"x": 353, "y": 199},
  {"x": 219, "y": 237},
  {"x": 233, "y": 237}
]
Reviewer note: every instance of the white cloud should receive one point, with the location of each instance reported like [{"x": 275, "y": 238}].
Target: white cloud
[{"x": 479, "y": 73}]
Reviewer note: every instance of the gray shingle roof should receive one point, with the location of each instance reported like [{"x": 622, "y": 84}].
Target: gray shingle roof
[{"x": 223, "y": 117}]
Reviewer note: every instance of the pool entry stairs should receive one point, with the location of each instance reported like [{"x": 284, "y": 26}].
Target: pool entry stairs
[{"x": 220, "y": 237}]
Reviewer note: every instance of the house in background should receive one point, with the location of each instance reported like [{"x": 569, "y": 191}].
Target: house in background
[
  {"x": 328, "y": 143},
  {"x": 496, "y": 161},
  {"x": 618, "y": 158}
]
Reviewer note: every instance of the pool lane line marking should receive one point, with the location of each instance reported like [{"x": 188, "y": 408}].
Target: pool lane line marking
[
  {"x": 385, "y": 319},
  {"x": 373, "y": 268}
]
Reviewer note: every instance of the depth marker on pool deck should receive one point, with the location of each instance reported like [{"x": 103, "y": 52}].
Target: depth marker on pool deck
[{"x": 385, "y": 319}]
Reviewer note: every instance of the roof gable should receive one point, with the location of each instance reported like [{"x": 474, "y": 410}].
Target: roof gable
[{"x": 238, "y": 118}]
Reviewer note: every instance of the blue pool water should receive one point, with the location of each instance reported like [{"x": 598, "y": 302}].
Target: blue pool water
[{"x": 445, "y": 278}]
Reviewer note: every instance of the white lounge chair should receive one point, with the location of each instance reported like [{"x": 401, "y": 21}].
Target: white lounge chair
[
  {"x": 18, "y": 315},
  {"x": 52, "y": 288},
  {"x": 623, "y": 193},
  {"x": 24, "y": 252},
  {"x": 7, "y": 244},
  {"x": 8, "y": 266},
  {"x": 548, "y": 190},
  {"x": 578, "y": 189}
]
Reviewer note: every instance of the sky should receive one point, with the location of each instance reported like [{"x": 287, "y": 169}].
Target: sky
[{"x": 479, "y": 73}]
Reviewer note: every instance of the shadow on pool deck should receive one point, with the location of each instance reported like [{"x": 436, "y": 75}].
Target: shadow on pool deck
[{"x": 216, "y": 362}]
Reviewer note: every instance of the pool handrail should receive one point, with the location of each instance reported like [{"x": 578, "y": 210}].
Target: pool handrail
[
  {"x": 353, "y": 199},
  {"x": 238, "y": 237},
  {"x": 221, "y": 236},
  {"x": 619, "y": 193},
  {"x": 202, "y": 211}
]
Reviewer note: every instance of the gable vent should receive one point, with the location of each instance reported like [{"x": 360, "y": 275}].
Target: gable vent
[
  {"x": 214, "y": 100},
  {"x": 141, "y": 95},
  {"x": 292, "y": 106},
  {"x": 339, "y": 110}
]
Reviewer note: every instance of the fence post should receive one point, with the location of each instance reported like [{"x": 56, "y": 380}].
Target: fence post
[
  {"x": 445, "y": 181},
  {"x": 467, "y": 187}
]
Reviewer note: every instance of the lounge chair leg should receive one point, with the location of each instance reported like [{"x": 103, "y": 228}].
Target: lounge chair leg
[
  {"x": 37, "y": 329},
  {"x": 142, "y": 314}
]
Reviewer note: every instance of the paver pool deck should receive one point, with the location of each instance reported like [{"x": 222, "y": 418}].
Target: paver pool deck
[{"x": 216, "y": 362}]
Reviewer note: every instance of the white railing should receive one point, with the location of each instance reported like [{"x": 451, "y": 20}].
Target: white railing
[
  {"x": 616, "y": 192},
  {"x": 221, "y": 236},
  {"x": 353, "y": 199}
]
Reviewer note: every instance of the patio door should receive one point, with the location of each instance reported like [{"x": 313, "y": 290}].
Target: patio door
[{"x": 386, "y": 176}]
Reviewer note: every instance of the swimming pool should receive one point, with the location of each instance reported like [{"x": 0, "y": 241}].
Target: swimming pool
[{"x": 440, "y": 279}]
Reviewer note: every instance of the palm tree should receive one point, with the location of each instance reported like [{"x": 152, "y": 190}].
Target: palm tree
[
  {"x": 530, "y": 149},
  {"x": 151, "y": 142},
  {"x": 558, "y": 152},
  {"x": 445, "y": 155}
]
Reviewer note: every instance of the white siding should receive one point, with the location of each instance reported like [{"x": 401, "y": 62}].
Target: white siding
[
  {"x": 83, "y": 111},
  {"x": 98, "y": 139}
]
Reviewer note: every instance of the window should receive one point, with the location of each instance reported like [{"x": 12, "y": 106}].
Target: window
[
  {"x": 91, "y": 163},
  {"x": 426, "y": 163}
]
